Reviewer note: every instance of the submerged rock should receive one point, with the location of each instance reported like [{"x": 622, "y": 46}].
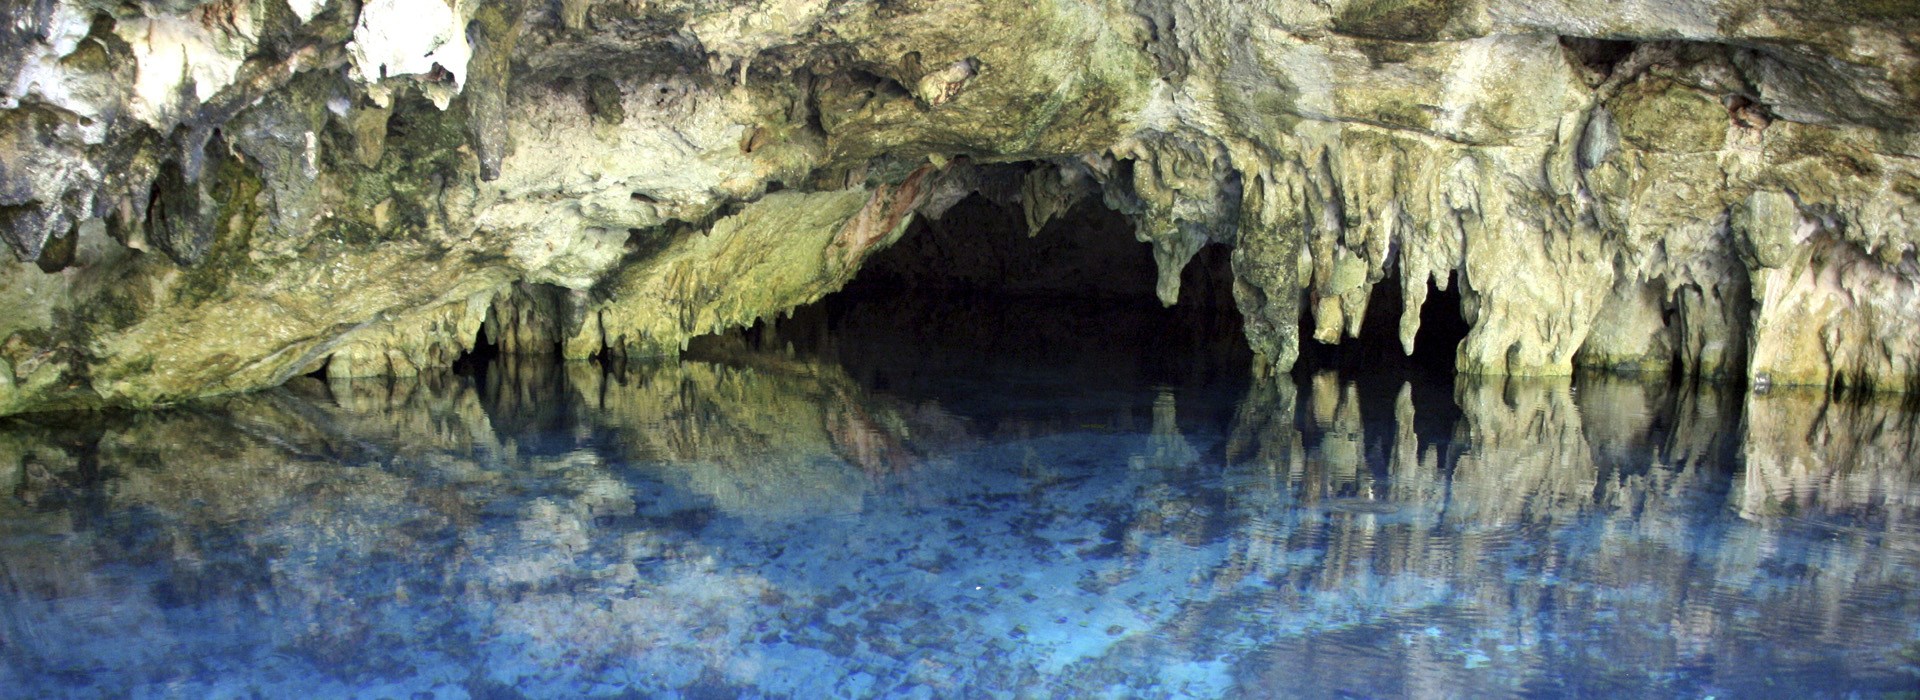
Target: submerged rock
[{"x": 208, "y": 197}]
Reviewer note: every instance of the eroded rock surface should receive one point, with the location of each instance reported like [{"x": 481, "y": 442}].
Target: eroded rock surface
[{"x": 208, "y": 197}]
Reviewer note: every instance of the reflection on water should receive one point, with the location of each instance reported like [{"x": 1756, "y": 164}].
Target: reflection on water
[{"x": 962, "y": 522}]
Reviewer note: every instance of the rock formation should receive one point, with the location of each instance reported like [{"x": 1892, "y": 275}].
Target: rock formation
[{"x": 201, "y": 197}]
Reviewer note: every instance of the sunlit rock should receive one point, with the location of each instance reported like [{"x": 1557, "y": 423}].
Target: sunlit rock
[
  {"x": 776, "y": 254},
  {"x": 395, "y": 38}
]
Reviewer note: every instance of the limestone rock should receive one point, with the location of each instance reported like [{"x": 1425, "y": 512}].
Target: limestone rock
[
  {"x": 778, "y": 253},
  {"x": 209, "y": 196}
]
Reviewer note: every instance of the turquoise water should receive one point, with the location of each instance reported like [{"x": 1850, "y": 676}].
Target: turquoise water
[{"x": 1019, "y": 504}]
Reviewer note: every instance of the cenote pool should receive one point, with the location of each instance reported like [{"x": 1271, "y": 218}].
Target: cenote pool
[{"x": 964, "y": 506}]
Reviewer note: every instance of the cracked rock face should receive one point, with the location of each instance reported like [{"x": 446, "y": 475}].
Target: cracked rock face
[{"x": 208, "y": 197}]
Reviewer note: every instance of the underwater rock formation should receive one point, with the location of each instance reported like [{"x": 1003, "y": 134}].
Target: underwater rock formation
[{"x": 207, "y": 196}]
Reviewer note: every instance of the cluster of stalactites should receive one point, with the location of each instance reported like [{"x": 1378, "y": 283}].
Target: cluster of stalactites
[
  {"x": 1735, "y": 252},
  {"x": 520, "y": 319}
]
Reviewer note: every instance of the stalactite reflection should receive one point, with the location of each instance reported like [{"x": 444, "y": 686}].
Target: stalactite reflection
[
  {"x": 1555, "y": 501},
  {"x": 729, "y": 521}
]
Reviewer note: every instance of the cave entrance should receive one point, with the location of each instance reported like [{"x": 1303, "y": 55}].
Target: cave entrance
[
  {"x": 524, "y": 321},
  {"x": 1375, "y": 368},
  {"x": 1377, "y": 351},
  {"x": 484, "y": 353},
  {"x": 971, "y": 292}
]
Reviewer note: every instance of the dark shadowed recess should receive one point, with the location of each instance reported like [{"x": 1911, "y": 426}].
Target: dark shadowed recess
[
  {"x": 1069, "y": 309},
  {"x": 475, "y": 361},
  {"x": 1378, "y": 366}
]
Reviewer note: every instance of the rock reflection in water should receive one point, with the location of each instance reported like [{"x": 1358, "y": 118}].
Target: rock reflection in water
[
  {"x": 761, "y": 435},
  {"x": 760, "y": 522},
  {"x": 1579, "y": 540}
]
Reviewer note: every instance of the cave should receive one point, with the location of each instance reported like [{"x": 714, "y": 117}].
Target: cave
[
  {"x": 483, "y": 354},
  {"x": 1377, "y": 346},
  {"x": 1078, "y": 293},
  {"x": 959, "y": 348}
]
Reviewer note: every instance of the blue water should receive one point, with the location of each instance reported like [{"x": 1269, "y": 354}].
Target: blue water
[{"x": 1005, "y": 515}]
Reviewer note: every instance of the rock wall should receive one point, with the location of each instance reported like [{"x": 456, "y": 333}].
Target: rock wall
[{"x": 208, "y": 197}]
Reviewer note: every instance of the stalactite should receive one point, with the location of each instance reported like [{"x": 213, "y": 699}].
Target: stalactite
[
  {"x": 1738, "y": 205},
  {"x": 528, "y": 319}
]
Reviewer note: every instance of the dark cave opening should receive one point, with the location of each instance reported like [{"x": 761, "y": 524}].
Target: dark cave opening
[
  {"x": 1598, "y": 56},
  {"x": 475, "y": 362},
  {"x": 1377, "y": 368},
  {"x": 972, "y": 292},
  {"x": 1377, "y": 351},
  {"x": 980, "y": 248}
]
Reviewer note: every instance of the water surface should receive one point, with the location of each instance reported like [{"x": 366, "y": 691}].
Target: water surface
[{"x": 966, "y": 505}]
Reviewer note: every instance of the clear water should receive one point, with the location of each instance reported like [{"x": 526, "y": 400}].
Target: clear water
[{"x": 971, "y": 508}]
